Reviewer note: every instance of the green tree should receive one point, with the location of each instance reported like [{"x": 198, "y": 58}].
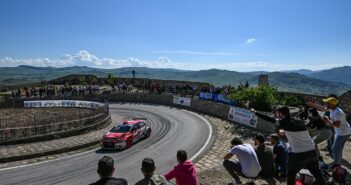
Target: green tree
[
  {"x": 83, "y": 80},
  {"x": 260, "y": 98},
  {"x": 111, "y": 79}
]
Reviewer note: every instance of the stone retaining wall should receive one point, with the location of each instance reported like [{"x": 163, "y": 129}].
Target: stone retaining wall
[{"x": 207, "y": 107}]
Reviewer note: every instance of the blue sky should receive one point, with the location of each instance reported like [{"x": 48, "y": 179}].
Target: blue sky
[{"x": 240, "y": 35}]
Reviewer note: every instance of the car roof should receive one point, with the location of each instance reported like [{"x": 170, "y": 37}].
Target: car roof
[{"x": 131, "y": 122}]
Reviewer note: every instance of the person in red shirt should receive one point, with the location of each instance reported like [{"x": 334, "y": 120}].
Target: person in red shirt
[{"x": 184, "y": 172}]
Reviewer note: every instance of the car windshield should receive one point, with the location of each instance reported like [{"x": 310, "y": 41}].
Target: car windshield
[{"x": 121, "y": 128}]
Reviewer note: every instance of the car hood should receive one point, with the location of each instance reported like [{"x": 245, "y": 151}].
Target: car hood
[{"x": 114, "y": 135}]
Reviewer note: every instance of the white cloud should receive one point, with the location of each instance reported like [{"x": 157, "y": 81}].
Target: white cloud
[
  {"x": 84, "y": 58},
  {"x": 250, "y": 40}
]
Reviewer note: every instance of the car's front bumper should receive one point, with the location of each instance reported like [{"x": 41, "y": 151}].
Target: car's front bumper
[{"x": 112, "y": 145}]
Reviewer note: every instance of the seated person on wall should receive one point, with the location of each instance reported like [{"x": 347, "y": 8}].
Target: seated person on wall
[
  {"x": 148, "y": 169},
  {"x": 280, "y": 156},
  {"x": 105, "y": 171},
  {"x": 265, "y": 157},
  {"x": 184, "y": 172},
  {"x": 247, "y": 164}
]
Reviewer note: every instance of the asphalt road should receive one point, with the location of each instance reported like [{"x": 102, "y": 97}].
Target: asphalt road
[{"x": 172, "y": 129}]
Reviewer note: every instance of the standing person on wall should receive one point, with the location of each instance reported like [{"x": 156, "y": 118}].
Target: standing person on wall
[{"x": 341, "y": 127}]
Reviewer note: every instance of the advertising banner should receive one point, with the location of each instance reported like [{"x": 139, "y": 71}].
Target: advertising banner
[
  {"x": 182, "y": 101},
  {"x": 221, "y": 98},
  {"x": 242, "y": 116},
  {"x": 205, "y": 96},
  {"x": 62, "y": 103}
]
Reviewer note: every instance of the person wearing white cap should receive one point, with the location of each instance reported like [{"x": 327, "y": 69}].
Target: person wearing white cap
[{"x": 341, "y": 127}]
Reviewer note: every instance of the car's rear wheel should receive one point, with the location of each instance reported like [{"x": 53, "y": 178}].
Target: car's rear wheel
[{"x": 129, "y": 143}]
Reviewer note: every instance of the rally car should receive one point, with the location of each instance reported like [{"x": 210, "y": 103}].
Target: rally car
[{"x": 125, "y": 134}]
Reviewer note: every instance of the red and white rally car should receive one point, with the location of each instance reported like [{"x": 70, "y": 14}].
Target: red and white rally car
[{"x": 125, "y": 134}]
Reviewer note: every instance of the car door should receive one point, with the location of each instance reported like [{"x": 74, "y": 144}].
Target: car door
[
  {"x": 142, "y": 129},
  {"x": 136, "y": 132}
]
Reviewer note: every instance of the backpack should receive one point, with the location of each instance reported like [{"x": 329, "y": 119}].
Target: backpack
[
  {"x": 159, "y": 180},
  {"x": 339, "y": 174},
  {"x": 305, "y": 177}
]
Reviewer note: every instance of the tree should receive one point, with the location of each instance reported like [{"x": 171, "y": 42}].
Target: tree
[
  {"x": 260, "y": 98},
  {"x": 83, "y": 80},
  {"x": 247, "y": 84},
  {"x": 111, "y": 79}
]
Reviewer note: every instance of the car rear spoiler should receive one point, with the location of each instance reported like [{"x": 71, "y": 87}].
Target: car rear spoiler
[{"x": 140, "y": 119}]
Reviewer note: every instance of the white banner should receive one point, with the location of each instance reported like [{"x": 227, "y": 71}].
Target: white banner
[
  {"x": 242, "y": 116},
  {"x": 182, "y": 101},
  {"x": 62, "y": 103}
]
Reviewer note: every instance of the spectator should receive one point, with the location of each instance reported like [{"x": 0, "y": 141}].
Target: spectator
[
  {"x": 265, "y": 157},
  {"x": 280, "y": 156},
  {"x": 326, "y": 114},
  {"x": 247, "y": 165},
  {"x": 184, "y": 172},
  {"x": 323, "y": 131},
  {"x": 303, "y": 154},
  {"x": 148, "y": 169},
  {"x": 105, "y": 171},
  {"x": 341, "y": 127}
]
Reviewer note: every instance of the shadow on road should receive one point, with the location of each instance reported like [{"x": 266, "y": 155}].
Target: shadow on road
[{"x": 106, "y": 151}]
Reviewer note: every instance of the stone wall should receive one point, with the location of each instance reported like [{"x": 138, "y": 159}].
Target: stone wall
[{"x": 345, "y": 102}]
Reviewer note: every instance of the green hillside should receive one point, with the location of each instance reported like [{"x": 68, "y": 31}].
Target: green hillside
[{"x": 293, "y": 82}]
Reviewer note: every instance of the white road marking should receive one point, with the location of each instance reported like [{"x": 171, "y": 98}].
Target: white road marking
[{"x": 208, "y": 138}]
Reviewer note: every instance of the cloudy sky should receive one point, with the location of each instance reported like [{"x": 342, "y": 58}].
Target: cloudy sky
[{"x": 241, "y": 35}]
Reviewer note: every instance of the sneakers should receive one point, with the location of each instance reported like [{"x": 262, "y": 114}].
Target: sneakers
[
  {"x": 233, "y": 182},
  {"x": 250, "y": 182}
]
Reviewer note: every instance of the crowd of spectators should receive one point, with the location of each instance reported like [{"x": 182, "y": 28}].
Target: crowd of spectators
[
  {"x": 140, "y": 86},
  {"x": 55, "y": 90}
]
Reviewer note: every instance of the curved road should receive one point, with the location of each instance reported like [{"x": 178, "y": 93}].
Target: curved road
[{"x": 172, "y": 129}]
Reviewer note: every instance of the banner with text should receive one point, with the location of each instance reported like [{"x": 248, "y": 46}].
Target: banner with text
[
  {"x": 181, "y": 101},
  {"x": 62, "y": 103},
  {"x": 216, "y": 97},
  {"x": 242, "y": 116}
]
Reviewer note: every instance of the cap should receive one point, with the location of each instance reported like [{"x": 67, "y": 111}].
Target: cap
[{"x": 331, "y": 100}]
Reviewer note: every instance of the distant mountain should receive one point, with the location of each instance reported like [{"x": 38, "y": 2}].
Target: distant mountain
[
  {"x": 339, "y": 74},
  {"x": 284, "y": 81},
  {"x": 294, "y": 82},
  {"x": 300, "y": 71}
]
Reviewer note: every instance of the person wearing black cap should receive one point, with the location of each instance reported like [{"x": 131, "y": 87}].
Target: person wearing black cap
[
  {"x": 265, "y": 157},
  {"x": 148, "y": 169},
  {"x": 303, "y": 154},
  {"x": 105, "y": 171}
]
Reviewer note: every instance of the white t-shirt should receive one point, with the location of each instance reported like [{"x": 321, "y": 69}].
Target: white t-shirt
[
  {"x": 248, "y": 159},
  {"x": 338, "y": 115}
]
